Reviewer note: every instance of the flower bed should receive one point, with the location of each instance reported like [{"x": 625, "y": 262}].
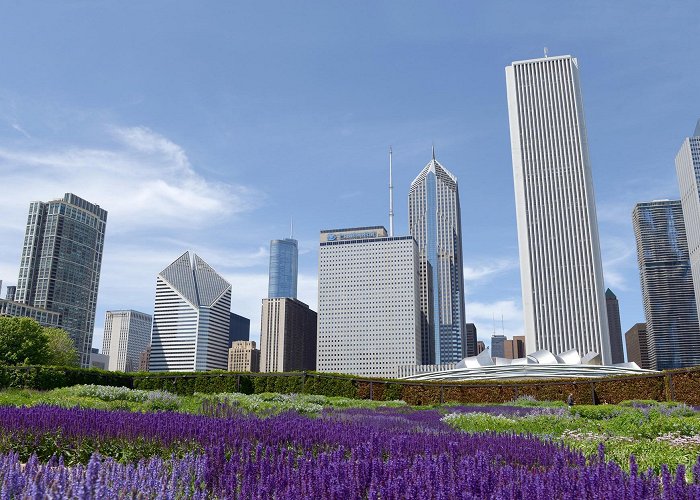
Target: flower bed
[{"x": 354, "y": 453}]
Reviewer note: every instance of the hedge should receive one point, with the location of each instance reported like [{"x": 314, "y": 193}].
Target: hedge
[{"x": 672, "y": 385}]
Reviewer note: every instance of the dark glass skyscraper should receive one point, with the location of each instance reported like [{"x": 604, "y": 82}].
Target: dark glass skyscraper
[
  {"x": 673, "y": 333},
  {"x": 284, "y": 257},
  {"x": 614, "y": 328},
  {"x": 60, "y": 266},
  {"x": 434, "y": 221}
]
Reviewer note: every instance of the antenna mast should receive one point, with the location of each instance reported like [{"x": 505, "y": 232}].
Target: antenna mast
[{"x": 391, "y": 198}]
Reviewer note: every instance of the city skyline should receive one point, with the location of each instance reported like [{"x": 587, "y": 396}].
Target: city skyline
[{"x": 319, "y": 117}]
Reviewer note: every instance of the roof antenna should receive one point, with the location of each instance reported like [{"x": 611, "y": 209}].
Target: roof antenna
[
  {"x": 291, "y": 228},
  {"x": 391, "y": 197},
  {"x": 546, "y": 52},
  {"x": 433, "y": 151}
]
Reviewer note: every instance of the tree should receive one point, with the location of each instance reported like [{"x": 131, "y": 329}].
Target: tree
[
  {"x": 61, "y": 348},
  {"x": 22, "y": 342}
]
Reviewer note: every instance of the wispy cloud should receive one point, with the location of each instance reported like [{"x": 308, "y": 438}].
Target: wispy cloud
[
  {"x": 143, "y": 180},
  {"x": 487, "y": 270},
  {"x": 20, "y": 130}
]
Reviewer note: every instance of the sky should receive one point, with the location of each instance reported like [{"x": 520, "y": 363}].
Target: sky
[{"x": 208, "y": 126}]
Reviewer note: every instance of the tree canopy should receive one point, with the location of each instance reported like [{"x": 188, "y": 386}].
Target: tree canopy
[{"x": 23, "y": 341}]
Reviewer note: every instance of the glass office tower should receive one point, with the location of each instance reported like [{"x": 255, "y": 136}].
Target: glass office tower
[
  {"x": 434, "y": 221},
  {"x": 60, "y": 266},
  {"x": 284, "y": 258}
]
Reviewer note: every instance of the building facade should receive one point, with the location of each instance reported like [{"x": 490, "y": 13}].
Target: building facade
[
  {"x": 368, "y": 302},
  {"x": 287, "y": 336},
  {"x": 480, "y": 347},
  {"x": 673, "y": 333},
  {"x": 191, "y": 317},
  {"x": 688, "y": 173},
  {"x": 636, "y": 344},
  {"x": 469, "y": 339},
  {"x": 41, "y": 316},
  {"x": 514, "y": 348},
  {"x": 617, "y": 355},
  {"x": 145, "y": 359},
  {"x": 126, "y": 335},
  {"x": 560, "y": 265},
  {"x": 434, "y": 221},
  {"x": 239, "y": 328},
  {"x": 60, "y": 265},
  {"x": 284, "y": 262},
  {"x": 498, "y": 349},
  {"x": 98, "y": 360},
  {"x": 243, "y": 357}
]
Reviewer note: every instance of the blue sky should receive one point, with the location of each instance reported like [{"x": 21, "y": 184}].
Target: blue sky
[{"x": 208, "y": 125}]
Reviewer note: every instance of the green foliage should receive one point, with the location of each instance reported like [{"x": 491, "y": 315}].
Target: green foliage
[
  {"x": 62, "y": 351},
  {"x": 22, "y": 342}
]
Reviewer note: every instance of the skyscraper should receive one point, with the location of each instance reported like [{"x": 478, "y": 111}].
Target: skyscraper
[
  {"x": 191, "y": 317},
  {"x": 287, "y": 336},
  {"x": 243, "y": 357},
  {"x": 284, "y": 257},
  {"x": 126, "y": 335},
  {"x": 688, "y": 173},
  {"x": 368, "y": 312},
  {"x": 673, "y": 333},
  {"x": 60, "y": 266},
  {"x": 498, "y": 348},
  {"x": 560, "y": 265},
  {"x": 434, "y": 220},
  {"x": 614, "y": 328},
  {"x": 469, "y": 340},
  {"x": 637, "y": 347}
]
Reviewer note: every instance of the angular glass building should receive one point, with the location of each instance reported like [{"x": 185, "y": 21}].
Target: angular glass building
[
  {"x": 60, "y": 266},
  {"x": 673, "y": 333},
  {"x": 561, "y": 271},
  {"x": 191, "y": 318},
  {"x": 434, "y": 221},
  {"x": 284, "y": 258}
]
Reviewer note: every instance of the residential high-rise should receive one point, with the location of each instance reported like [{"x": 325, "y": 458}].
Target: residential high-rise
[
  {"x": 287, "y": 336},
  {"x": 284, "y": 257},
  {"x": 469, "y": 340},
  {"x": 243, "y": 357},
  {"x": 60, "y": 266},
  {"x": 11, "y": 292},
  {"x": 560, "y": 265},
  {"x": 614, "y": 328},
  {"x": 688, "y": 173},
  {"x": 191, "y": 317},
  {"x": 636, "y": 343},
  {"x": 126, "y": 335},
  {"x": 41, "y": 316},
  {"x": 368, "y": 308},
  {"x": 673, "y": 333},
  {"x": 434, "y": 220}
]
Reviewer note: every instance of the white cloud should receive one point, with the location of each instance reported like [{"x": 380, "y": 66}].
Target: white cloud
[
  {"x": 144, "y": 180},
  {"x": 485, "y": 271}
]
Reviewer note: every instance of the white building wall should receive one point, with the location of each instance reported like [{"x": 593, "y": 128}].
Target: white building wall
[
  {"x": 688, "y": 173},
  {"x": 560, "y": 264},
  {"x": 368, "y": 317},
  {"x": 126, "y": 336}
]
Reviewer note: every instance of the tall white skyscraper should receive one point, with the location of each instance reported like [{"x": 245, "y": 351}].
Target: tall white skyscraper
[
  {"x": 191, "y": 317},
  {"x": 126, "y": 335},
  {"x": 368, "y": 310},
  {"x": 560, "y": 266},
  {"x": 434, "y": 220},
  {"x": 688, "y": 173}
]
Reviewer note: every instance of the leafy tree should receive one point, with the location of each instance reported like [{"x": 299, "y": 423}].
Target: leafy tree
[
  {"x": 22, "y": 342},
  {"x": 62, "y": 351}
]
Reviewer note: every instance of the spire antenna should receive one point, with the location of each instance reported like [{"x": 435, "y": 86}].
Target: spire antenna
[
  {"x": 546, "y": 52},
  {"x": 391, "y": 197},
  {"x": 433, "y": 151},
  {"x": 291, "y": 228}
]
